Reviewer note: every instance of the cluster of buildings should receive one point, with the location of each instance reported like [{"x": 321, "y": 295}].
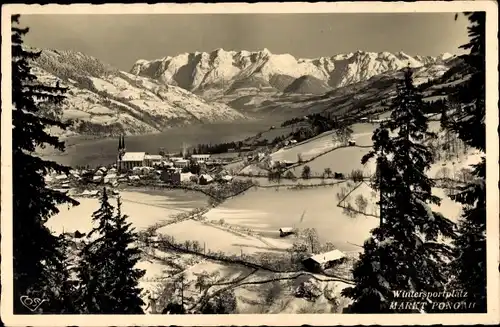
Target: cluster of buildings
[
  {"x": 127, "y": 161},
  {"x": 170, "y": 168}
]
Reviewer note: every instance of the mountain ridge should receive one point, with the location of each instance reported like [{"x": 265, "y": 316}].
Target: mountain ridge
[
  {"x": 218, "y": 70},
  {"x": 102, "y": 100}
]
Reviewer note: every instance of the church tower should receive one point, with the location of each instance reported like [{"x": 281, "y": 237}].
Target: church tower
[{"x": 121, "y": 150}]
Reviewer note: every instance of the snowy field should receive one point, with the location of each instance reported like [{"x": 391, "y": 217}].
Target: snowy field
[
  {"x": 217, "y": 238},
  {"x": 267, "y": 210},
  {"x": 322, "y": 143},
  {"x": 343, "y": 160},
  {"x": 143, "y": 210}
]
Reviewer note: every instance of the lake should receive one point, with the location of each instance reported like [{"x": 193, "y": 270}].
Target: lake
[{"x": 95, "y": 152}]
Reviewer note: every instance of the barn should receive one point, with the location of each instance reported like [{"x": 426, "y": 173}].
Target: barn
[
  {"x": 322, "y": 261},
  {"x": 285, "y": 231}
]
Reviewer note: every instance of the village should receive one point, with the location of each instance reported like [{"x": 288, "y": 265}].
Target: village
[
  {"x": 136, "y": 167},
  {"x": 189, "y": 171}
]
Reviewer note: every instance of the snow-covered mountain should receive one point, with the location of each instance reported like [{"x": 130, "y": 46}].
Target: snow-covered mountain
[
  {"x": 105, "y": 101},
  {"x": 230, "y": 71}
]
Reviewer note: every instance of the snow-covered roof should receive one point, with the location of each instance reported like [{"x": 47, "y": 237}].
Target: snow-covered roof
[
  {"x": 286, "y": 229},
  {"x": 96, "y": 178},
  {"x": 133, "y": 178},
  {"x": 110, "y": 176},
  {"x": 227, "y": 177},
  {"x": 207, "y": 177},
  {"x": 87, "y": 192},
  {"x": 328, "y": 256},
  {"x": 195, "y": 156},
  {"x": 134, "y": 156},
  {"x": 153, "y": 157}
]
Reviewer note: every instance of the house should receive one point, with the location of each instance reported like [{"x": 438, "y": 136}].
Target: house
[
  {"x": 175, "y": 177},
  {"x": 293, "y": 141},
  {"x": 110, "y": 178},
  {"x": 285, "y": 231},
  {"x": 323, "y": 261},
  {"x": 181, "y": 163},
  {"x": 152, "y": 159},
  {"x": 97, "y": 179},
  {"x": 352, "y": 143},
  {"x": 227, "y": 178},
  {"x": 200, "y": 157},
  {"x": 338, "y": 175},
  {"x": 129, "y": 160},
  {"x": 186, "y": 177},
  {"x": 206, "y": 179},
  {"x": 133, "y": 178}
]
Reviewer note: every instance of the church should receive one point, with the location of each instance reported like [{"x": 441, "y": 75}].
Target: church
[{"x": 129, "y": 160}]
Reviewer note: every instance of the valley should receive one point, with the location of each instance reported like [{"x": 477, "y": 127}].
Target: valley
[{"x": 223, "y": 225}]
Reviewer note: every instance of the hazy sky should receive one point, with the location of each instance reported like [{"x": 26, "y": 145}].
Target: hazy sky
[{"x": 120, "y": 40}]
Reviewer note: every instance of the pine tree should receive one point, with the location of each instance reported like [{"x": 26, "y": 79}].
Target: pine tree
[
  {"x": 108, "y": 279},
  {"x": 403, "y": 253},
  {"x": 38, "y": 255},
  {"x": 469, "y": 267}
]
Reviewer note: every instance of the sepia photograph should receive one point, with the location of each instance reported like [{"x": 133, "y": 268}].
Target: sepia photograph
[{"x": 235, "y": 163}]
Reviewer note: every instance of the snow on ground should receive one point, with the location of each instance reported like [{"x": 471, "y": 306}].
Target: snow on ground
[
  {"x": 217, "y": 238},
  {"x": 343, "y": 160},
  {"x": 318, "y": 145},
  {"x": 143, "y": 210},
  {"x": 267, "y": 210},
  {"x": 454, "y": 165}
]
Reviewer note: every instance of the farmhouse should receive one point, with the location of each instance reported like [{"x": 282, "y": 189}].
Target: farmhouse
[
  {"x": 322, "y": 261},
  {"x": 285, "y": 231},
  {"x": 206, "y": 179},
  {"x": 129, "y": 160}
]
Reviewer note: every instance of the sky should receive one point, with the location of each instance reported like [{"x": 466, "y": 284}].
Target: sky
[{"x": 121, "y": 40}]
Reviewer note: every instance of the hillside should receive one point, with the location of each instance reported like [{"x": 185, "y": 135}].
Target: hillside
[
  {"x": 104, "y": 101},
  {"x": 369, "y": 96},
  {"x": 307, "y": 85},
  {"x": 211, "y": 73}
]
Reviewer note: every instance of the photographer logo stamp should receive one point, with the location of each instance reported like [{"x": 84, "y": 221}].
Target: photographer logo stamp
[{"x": 31, "y": 303}]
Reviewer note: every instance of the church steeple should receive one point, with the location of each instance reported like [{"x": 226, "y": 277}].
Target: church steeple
[{"x": 120, "y": 145}]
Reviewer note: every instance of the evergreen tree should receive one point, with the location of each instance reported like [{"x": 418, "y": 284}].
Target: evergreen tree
[
  {"x": 403, "y": 253},
  {"x": 38, "y": 257},
  {"x": 108, "y": 279},
  {"x": 469, "y": 267}
]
